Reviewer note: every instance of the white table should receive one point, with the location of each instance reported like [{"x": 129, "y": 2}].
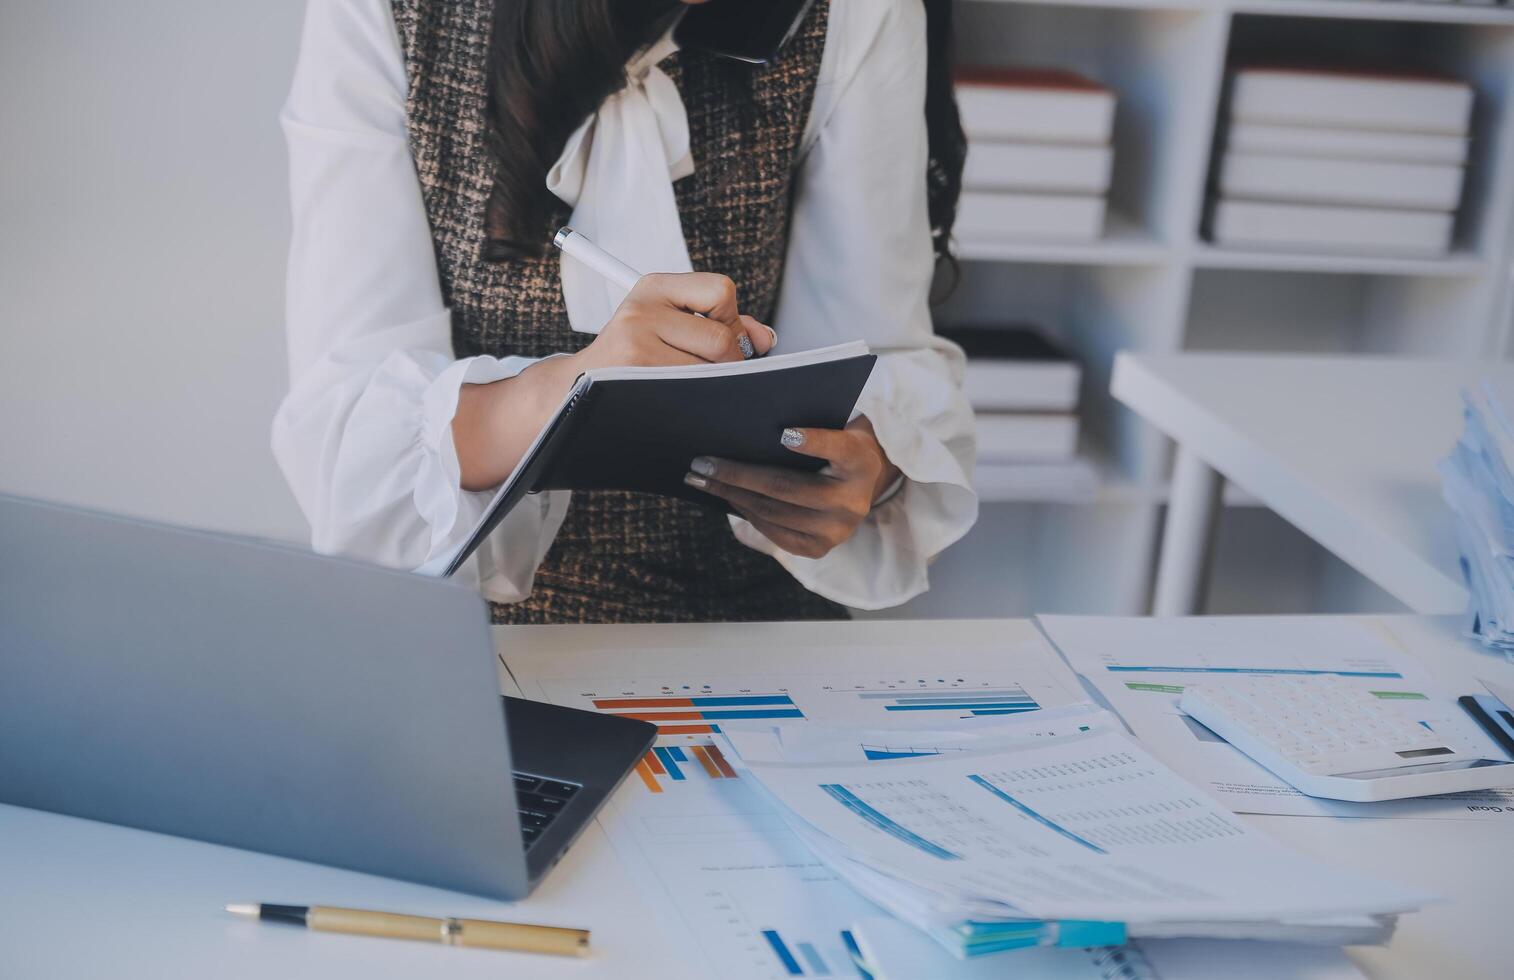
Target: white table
[
  {"x": 1344, "y": 448},
  {"x": 80, "y": 899}
]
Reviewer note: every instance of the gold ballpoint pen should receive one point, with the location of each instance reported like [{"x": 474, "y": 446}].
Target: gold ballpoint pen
[{"x": 480, "y": 933}]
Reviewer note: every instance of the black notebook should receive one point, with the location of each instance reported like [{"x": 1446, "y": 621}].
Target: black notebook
[{"x": 638, "y": 428}]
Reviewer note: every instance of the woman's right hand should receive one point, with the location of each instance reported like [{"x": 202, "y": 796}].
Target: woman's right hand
[{"x": 655, "y": 326}]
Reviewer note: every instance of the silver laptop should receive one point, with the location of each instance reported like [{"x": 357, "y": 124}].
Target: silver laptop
[{"x": 268, "y": 698}]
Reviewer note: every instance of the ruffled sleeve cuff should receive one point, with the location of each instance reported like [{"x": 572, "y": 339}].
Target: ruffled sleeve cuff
[
  {"x": 925, "y": 427},
  {"x": 505, "y": 564}
]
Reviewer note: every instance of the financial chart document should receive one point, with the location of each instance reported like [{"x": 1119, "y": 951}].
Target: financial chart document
[
  {"x": 737, "y": 891},
  {"x": 813, "y": 743},
  {"x": 1084, "y": 827},
  {"x": 1140, "y": 666}
]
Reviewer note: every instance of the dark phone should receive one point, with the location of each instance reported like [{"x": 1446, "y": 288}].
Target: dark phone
[{"x": 753, "y": 31}]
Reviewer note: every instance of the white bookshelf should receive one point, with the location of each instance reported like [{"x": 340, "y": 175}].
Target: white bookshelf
[{"x": 1153, "y": 283}]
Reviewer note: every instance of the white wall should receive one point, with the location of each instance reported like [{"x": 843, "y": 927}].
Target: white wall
[{"x": 143, "y": 223}]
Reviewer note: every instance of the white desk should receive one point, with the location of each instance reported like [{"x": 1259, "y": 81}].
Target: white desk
[
  {"x": 1343, "y": 448},
  {"x": 87, "y": 900}
]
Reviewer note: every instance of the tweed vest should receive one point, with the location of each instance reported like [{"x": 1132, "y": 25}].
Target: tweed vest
[{"x": 619, "y": 557}]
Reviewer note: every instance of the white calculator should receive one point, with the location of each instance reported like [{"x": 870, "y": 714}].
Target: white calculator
[{"x": 1328, "y": 737}]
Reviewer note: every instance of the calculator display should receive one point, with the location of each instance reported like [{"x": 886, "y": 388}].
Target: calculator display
[
  {"x": 1456, "y": 766},
  {"x": 1421, "y": 753}
]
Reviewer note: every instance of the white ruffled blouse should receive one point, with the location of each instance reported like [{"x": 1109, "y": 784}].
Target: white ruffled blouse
[{"x": 364, "y": 436}]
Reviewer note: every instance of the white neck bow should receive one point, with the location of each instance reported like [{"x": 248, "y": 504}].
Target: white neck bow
[{"x": 617, "y": 172}]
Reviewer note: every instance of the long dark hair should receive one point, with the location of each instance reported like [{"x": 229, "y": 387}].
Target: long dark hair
[
  {"x": 552, "y": 62},
  {"x": 943, "y": 128}
]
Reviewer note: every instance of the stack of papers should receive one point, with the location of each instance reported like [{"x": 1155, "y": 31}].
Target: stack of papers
[
  {"x": 889, "y": 950},
  {"x": 730, "y": 886},
  {"x": 1055, "y": 829},
  {"x": 733, "y": 888},
  {"x": 1479, "y": 487}
]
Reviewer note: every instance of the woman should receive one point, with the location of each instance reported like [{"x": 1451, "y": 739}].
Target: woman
[{"x": 435, "y": 146}]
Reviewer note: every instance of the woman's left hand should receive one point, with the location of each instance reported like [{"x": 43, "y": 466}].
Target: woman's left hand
[{"x": 805, "y": 514}]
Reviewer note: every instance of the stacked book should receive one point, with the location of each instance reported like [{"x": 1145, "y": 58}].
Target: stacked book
[
  {"x": 1478, "y": 484},
  {"x": 1341, "y": 161},
  {"x": 1038, "y": 154},
  {"x": 1023, "y": 388}
]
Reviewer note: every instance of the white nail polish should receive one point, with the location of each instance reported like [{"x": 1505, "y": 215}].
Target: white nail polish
[
  {"x": 703, "y": 466},
  {"x": 695, "y": 480},
  {"x": 792, "y": 438}
]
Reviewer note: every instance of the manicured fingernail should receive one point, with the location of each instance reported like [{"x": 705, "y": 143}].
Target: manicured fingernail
[
  {"x": 695, "y": 480},
  {"x": 703, "y": 465},
  {"x": 745, "y": 343},
  {"x": 792, "y": 438},
  {"x": 774, "y": 333}
]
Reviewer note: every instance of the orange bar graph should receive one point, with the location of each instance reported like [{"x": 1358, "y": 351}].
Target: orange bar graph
[
  {"x": 608, "y": 703},
  {"x": 645, "y": 772},
  {"x": 701, "y": 753},
  {"x": 686, "y": 729},
  {"x": 654, "y": 763},
  {"x": 719, "y": 760},
  {"x": 662, "y": 715}
]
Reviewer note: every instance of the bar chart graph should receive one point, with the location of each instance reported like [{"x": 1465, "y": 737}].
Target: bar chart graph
[
  {"x": 876, "y": 751},
  {"x": 670, "y": 762},
  {"x": 771, "y": 932},
  {"x": 699, "y": 714},
  {"x": 999, "y": 701},
  {"x": 798, "y": 959},
  {"x": 685, "y": 708},
  {"x": 721, "y": 867}
]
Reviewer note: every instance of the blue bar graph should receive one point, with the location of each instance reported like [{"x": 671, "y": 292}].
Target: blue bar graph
[
  {"x": 812, "y": 957},
  {"x": 1292, "y": 671},
  {"x": 780, "y": 948},
  {"x": 745, "y": 699},
  {"x": 978, "y": 694},
  {"x": 987, "y": 696},
  {"x": 886, "y": 823},
  {"x": 668, "y": 761},
  {"x": 969, "y": 706},
  {"x": 874, "y": 755},
  {"x": 1002, "y": 701},
  {"x": 1049, "y": 824},
  {"x": 677, "y": 753},
  {"x": 850, "y": 942},
  {"x": 752, "y": 713},
  {"x": 687, "y": 715}
]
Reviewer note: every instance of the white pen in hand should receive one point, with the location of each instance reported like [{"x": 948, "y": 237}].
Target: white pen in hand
[
  {"x": 596, "y": 258},
  {"x": 581, "y": 248}
]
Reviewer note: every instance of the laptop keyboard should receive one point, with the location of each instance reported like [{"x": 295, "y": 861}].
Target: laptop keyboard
[{"x": 540, "y": 801}]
